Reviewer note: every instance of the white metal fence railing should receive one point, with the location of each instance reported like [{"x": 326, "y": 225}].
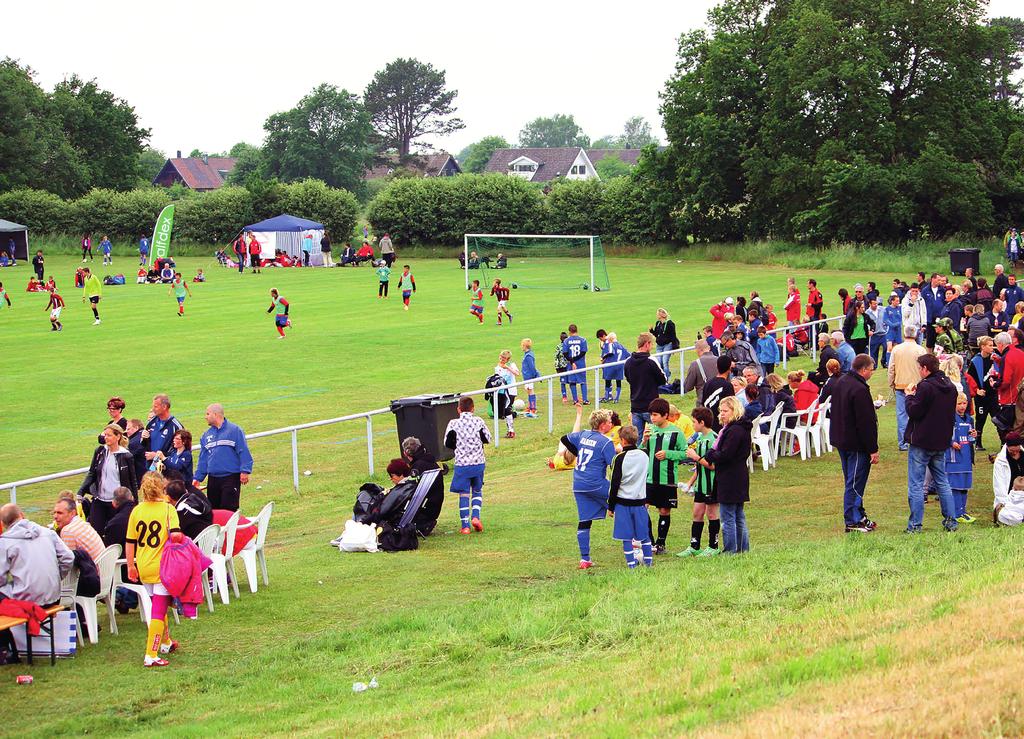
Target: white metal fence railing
[{"x": 293, "y": 431}]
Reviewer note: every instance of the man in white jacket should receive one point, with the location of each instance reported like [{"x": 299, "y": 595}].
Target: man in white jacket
[
  {"x": 915, "y": 311},
  {"x": 1008, "y": 507}
]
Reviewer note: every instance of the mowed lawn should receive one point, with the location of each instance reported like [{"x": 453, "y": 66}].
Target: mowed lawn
[{"x": 813, "y": 632}]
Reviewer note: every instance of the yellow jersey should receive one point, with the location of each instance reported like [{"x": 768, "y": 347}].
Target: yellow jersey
[{"x": 149, "y": 528}]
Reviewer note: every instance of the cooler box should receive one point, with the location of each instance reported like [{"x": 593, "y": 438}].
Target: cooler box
[
  {"x": 426, "y": 417},
  {"x": 961, "y": 259}
]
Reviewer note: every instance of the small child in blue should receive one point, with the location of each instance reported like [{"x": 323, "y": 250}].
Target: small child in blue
[
  {"x": 960, "y": 459},
  {"x": 612, "y": 351},
  {"x": 767, "y": 350},
  {"x": 892, "y": 315},
  {"x": 594, "y": 452},
  {"x": 628, "y": 491},
  {"x": 105, "y": 247},
  {"x": 529, "y": 370}
]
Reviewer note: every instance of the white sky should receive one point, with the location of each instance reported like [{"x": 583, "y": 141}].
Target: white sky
[{"x": 207, "y": 74}]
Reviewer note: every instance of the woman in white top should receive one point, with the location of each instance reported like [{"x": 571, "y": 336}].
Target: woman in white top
[{"x": 112, "y": 467}]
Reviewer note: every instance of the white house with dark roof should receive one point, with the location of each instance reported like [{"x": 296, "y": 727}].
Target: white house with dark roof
[{"x": 547, "y": 164}]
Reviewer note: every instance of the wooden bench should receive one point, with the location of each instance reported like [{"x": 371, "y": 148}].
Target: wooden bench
[{"x": 9, "y": 622}]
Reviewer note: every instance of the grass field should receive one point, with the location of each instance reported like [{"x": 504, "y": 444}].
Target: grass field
[{"x": 813, "y": 632}]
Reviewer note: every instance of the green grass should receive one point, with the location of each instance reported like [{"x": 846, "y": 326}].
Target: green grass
[{"x": 494, "y": 633}]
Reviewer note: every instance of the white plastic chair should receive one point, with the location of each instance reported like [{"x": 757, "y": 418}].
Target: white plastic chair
[
  {"x": 826, "y": 426},
  {"x": 68, "y": 588},
  {"x": 224, "y": 563},
  {"x": 765, "y": 440},
  {"x": 800, "y": 433},
  {"x": 815, "y": 427},
  {"x": 757, "y": 440},
  {"x": 106, "y": 564},
  {"x": 207, "y": 541},
  {"x": 145, "y": 600},
  {"x": 253, "y": 553}
]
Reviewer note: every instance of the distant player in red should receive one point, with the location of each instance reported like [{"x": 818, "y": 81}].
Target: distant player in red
[
  {"x": 476, "y": 305},
  {"x": 55, "y": 306},
  {"x": 501, "y": 293},
  {"x": 281, "y": 319}
]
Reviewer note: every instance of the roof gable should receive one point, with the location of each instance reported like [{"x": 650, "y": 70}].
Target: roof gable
[
  {"x": 197, "y": 174},
  {"x": 552, "y": 163},
  {"x": 429, "y": 165}
]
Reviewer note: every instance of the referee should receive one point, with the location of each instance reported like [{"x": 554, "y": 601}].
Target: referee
[{"x": 224, "y": 456}]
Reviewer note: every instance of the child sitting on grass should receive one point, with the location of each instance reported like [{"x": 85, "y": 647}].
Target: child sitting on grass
[
  {"x": 702, "y": 484},
  {"x": 628, "y": 492}
]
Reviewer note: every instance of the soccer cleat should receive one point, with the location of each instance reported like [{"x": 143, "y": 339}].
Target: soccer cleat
[
  {"x": 96, "y": 322},
  {"x": 510, "y": 435},
  {"x": 586, "y": 402},
  {"x": 510, "y": 318},
  {"x": 688, "y": 552},
  {"x": 950, "y": 524},
  {"x": 585, "y": 564},
  {"x": 155, "y": 662},
  {"x": 477, "y": 526},
  {"x": 172, "y": 646},
  {"x": 913, "y": 530},
  {"x": 464, "y": 530},
  {"x": 280, "y": 337},
  {"x": 859, "y": 527},
  {"x": 966, "y": 518},
  {"x": 659, "y": 549},
  {"x": 709, "y": 552},
  {"x": 871, "y": 525}
]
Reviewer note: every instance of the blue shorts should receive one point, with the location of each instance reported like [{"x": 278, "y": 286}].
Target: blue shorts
[
  {"x": 281, "y": 320},
  {"x": 476, "y": 309},
  {"x": 181, "y": 300},
  {"x": 468, "y": 478},
  {"x": 631, "y": 522},
  {"x": 591, "y": 506}
]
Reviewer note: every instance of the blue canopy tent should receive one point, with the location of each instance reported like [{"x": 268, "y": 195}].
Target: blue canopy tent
[
  {"x": 16, "y": 233},
  {"x": 284, "y": 233}
]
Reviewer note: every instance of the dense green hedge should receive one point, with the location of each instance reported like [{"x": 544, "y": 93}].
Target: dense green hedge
[
  {"x": 212, "y": 217},
  {"x": 440, "y": 210}
]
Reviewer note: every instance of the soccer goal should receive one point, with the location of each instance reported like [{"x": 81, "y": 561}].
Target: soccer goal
[{"x": 536, "y": 261}]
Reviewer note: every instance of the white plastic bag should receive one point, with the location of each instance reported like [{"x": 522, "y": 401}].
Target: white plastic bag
[{"x": 358, "y": 537}]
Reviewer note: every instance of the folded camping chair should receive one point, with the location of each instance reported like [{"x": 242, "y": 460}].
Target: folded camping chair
[{"x": 418, "y": 497}]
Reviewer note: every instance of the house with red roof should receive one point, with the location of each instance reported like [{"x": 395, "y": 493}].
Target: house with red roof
[
  {"x": 196, "y": 173},
  {"x": 438, "y": 164}
]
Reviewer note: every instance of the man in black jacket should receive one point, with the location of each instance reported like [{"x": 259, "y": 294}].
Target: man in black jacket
[
  {"x": 137, "y": 447},
  {"x": 421, "y": 460},
  {"x": 825, "y": 353},
  {"x": 194, "y": 510},
  {"x": 853, "y": 430},
  {"x": 931, "y": 407},
  {"x": 644, "y": 376}
]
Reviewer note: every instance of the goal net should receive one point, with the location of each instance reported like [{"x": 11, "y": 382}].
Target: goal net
[{"x": 542, "y": 262}]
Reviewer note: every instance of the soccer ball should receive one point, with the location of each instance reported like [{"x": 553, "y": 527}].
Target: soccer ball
[
  {"x": 519, "y": 405},
  {"x": 515, "y": 285},
  {"x": 586, "y": 286}
]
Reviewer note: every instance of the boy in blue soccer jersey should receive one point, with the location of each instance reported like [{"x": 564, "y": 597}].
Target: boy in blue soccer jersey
[
  {"x": 594, "y": 452},
  {"x": 574, "y": 348},
  {"x": 612, "y": 351}
]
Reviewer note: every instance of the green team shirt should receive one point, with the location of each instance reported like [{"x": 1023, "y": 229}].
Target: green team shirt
[
  {"x": 279, "y": 304},
  {"x": 384, "y": 273},
  {"x": 670, "y": 440},
  {"x": 179, "y": 288},
  {"x": 705, "y": 477},
  {"x": 478, "y": 298},
  {"x": 3, "y": 297},
  {"x": 405, "y": 283}
]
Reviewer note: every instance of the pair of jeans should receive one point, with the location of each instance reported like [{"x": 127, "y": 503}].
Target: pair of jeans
[
  {"x": 663, "y": 360},
  {"x": 901, "y": 418},
  {"x": 640, "y": 420},
  {"x": 735, "y": 537},
  {"x": 856, "y": 467},
  {"x": 877, "y": 350},
  {"x": 919, "y": 460}
]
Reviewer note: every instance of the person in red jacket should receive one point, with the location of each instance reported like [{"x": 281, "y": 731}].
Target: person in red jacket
[
  {"x": 254, "y": 254},
  {"x": 1011, "y": 371},
  {"x": 815, "y": 301},
  {"x": 718, "y": 321},
  {"x": 240, "y": 251},
  {"x": 792, "y": 304}
]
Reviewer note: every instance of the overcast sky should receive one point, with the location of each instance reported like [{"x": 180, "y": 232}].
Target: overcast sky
[{"x": 207, "y": 74}]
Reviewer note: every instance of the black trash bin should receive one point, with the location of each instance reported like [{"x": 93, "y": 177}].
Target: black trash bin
[
  {"x": 961, "y": 259},
  {"x": 426, "y": 417}
]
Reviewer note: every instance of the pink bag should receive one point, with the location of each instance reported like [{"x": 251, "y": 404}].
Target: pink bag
[{"x": 181, "y": 572}]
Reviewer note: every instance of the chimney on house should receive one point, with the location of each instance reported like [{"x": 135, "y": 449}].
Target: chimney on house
[
  {"x": 206, "y": 158},
  {"x": 179, "y": 153}
]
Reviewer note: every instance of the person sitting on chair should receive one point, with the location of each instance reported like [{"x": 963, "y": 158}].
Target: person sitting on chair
[
  {"x": 365, "y": 253},
  {"x": 348, "y": 255},
  {"x": 421, "y": 460}
]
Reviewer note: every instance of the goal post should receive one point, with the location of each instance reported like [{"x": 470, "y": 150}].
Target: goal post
[{"x": 539, "y": 261}]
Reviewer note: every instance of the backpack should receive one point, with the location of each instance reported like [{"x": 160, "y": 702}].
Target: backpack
[
  {"x": 368, "y": 502},
  {"x": 394, "y": 538},
  {"x": 497, "y": 381}
]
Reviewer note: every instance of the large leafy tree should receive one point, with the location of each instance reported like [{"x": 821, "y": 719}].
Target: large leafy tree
[
  {"x": 556, "y": 130},
  {"x": 408, "y": 100},
  {"x": 326, "y": 137},
  {"x": 636, "y": 134},
  {"x": 476, "y": 156},
  {"x": 790, "y": 118}
]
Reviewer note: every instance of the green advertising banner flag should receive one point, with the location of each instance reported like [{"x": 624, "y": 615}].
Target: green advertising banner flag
[{"x": 161, "y": 243}]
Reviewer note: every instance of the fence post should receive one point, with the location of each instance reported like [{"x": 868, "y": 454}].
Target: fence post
[
  {"x": 369, "y": 442},
  {"x": 494, "y": 407},
  {"x": 295, "y": 460},
  {"x": 814, "y": 342},
  {"x": 551, "y": 405},
  {"x": 597, "y": 389},
  {"x": 682, "y": 369},
  {"x": 14, "y": 495},
  {"x": 785, "y": 354}
]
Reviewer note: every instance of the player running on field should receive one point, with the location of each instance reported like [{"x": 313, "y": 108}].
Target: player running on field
[
  {"x": 279, "y": 304},
  {"x": 476, "y": 305},
  {"x": 501, "y": 293},
  {"x": 4, "y": 297},
  {"x": 179, "y": 287},
  {"x": 55, "y": 306},
  {"x": 407, "y": 284}
]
